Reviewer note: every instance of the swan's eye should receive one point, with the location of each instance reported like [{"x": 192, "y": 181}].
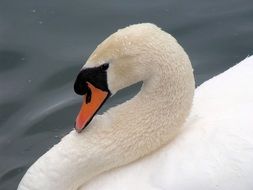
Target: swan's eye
[{"x": 104, "y": 67}]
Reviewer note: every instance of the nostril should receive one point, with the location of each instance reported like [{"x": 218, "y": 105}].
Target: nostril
[{"x": 88, "y": 95}]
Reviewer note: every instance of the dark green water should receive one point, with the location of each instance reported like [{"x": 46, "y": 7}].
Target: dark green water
[{"x": 43, "y": 44}]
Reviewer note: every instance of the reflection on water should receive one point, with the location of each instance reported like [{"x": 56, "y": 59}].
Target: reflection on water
[{"x": 43, "y": 45}]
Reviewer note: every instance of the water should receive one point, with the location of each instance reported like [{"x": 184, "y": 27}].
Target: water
[{"x": 43, "y": 44}]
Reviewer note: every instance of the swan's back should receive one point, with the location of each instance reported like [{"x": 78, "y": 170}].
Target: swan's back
[{"x": 214, "y": 150}]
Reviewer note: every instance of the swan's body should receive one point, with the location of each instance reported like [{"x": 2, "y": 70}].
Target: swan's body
[{"x": 213, "y": 150}]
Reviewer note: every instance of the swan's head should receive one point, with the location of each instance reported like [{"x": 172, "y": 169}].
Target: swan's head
[{"x": 130, "y": 55}]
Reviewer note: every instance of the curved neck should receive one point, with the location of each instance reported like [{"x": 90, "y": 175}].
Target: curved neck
[{"x": 121, "y": 135}]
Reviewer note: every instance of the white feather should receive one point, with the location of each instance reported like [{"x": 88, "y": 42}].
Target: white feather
[{"x": 212, "y": 150}]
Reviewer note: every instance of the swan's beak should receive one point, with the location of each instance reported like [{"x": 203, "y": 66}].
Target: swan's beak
[
  {"x": 92, "y": 84},
  {"x": 90, "y": 106}
]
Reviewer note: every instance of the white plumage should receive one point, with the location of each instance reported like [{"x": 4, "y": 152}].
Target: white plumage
[
  {"x": 214, "y": 150},
  {"x": 214, "y": 147}
]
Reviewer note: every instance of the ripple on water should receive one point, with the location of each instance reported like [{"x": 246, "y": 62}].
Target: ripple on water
[{"x": 7, "y": 178}]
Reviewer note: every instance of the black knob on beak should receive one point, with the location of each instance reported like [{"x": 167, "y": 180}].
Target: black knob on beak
[
  {"x": 97, "y": 76},
  {"x": 80, "y": 86}
]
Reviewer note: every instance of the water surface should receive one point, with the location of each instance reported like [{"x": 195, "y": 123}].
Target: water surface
[{"x": 43, "y": 44}]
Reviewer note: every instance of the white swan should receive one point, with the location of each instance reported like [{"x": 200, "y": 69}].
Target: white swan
[{"x": 212, "y": 150}]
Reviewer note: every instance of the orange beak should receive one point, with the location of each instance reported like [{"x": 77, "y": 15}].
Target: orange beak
[{"x": 89, "y": 108}]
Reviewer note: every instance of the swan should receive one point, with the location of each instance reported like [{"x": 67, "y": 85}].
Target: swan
[{"x": 162, "y": 138}]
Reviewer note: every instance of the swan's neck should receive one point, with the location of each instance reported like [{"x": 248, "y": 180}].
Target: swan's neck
[{"x": 123, "y": 134}]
